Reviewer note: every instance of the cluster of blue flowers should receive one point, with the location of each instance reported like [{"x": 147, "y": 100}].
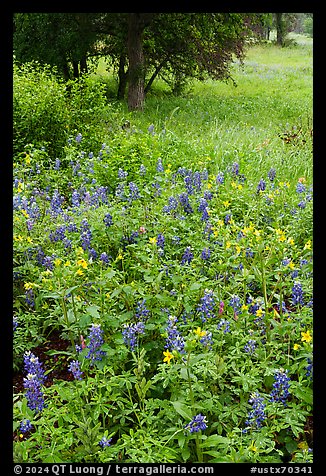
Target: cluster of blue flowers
[
  {"x": 257, "y": 415},
  {"x": 187, "y": 256},
  {"x": 33, "y": 382},
  {"x": 207, "y": 305},
  {"x": 174, "y": 340},
  {"x": 281, "y": 387},
  {"x": 131, "y": 332},
  {"x": 198, "y": 423},
  {"x": 224, "y": 325},
  {"x": 74, "y": 367},
  {"x": 297, "y": 294},
  {"x": 25, "y": 426},
  {"x": 95, "y": 342}
]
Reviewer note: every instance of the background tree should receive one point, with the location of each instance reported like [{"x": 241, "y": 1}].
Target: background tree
[{"x": 141, "y": 46}]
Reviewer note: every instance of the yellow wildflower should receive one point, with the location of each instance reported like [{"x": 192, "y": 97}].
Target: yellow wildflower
[
  {"x": 79, "y": 272},
  {"x": 226, "y": 203},
  {"x": 168, "y": 356},
  {"x": 57, "y": 262},
  {"x": 82, "y": 263},
  {"x": 307, "y": 246},
  {"x": 153, "y": 240},
  {"x": 199, "y": 332},
  {"x": 296, "y": 346},
  {"x": 259, "y": 312},
  {"x": 306, "y": 337}
]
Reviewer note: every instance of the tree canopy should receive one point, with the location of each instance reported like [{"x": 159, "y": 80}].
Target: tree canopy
[{"x": 141, "y": 46}]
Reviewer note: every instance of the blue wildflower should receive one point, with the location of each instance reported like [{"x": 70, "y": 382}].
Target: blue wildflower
[
  {"x": 257, "y": 415},
  {"x": 250, "y": 347},
  {"x": 95, "y": 342},
  {"x": 105, "y": 442},
  {"x": 206, "y": 307},
  {"x": 187, "y": 256},
  {"x": 74, "y": 367},
  {"x": 174, "y": 340},
  {"x": 25, "y": 426},
  {"x": 261, "y": 185},
  {"x": 198, "y": 423},
  {"x": 225, "y": 325},
  {"x": 130, "y": 334},
  {"x": 297, "y": 294},
  {"x": 281, "y": 387}
]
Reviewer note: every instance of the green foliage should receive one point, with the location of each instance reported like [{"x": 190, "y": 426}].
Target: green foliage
[{"x": 184, "y": 362}]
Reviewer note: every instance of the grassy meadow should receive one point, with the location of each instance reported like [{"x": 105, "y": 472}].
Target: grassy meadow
[{"x": 163, "y": 267}]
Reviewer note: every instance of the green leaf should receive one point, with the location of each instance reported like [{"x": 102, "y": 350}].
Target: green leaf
[
  {"x": 215, "y": 440},
  {"x": 183, "y": 409}
]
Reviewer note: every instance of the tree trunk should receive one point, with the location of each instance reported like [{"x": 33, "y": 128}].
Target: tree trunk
[
  {"x": 280, "y": 29},
  {"x": 75, "y": 69},
  {"x": 123, "y": 77},
  {"x": 136, "y": 94},
  {"x": 83, "y": 65}
]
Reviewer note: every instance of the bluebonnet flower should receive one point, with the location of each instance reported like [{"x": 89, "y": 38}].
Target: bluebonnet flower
[
  {"x": 85, "y": 234},
  {"x": 15, "y": 323},
  {"x": 108, "y": 220},
  {"x": 261, "y": 185},
  {"x": 208, "y": 195},
  {"x": 197, "y": 423},
  {"x": 78, "y": 138},
  {"x": 29, "y": 297},
  {"x": 48, "y": 262},
  {"x": 207, "y": 340},
  {"x": 104, "y": 258},
  {"x": 74, "y": 367},
  {"x": 235, "y": 168},
  {"x": 235, "y": 304},
  {"x": 187, "y": 256},
  {"x": 220, "y": 178},
  {"x": 184, "y": 201},
  {"x": 33, "y": 382},
  {"x": 159, "y": 165},
  {"x": 58, "y": 234},
  {"x": 131, "y": 332},
  {"x": 174, "y": 340},
  {"x": 173, "y": 204},
  {"x": 225, "y": 325},
  {"x": 32, "y": 365},
  {"x": 122, "y": 174},
  {"x": 257, "y": 415},
  {"x": 206, "y": 254},
  {"x": 300, "y": 187},
  {"x": 206, "y": 307},
  {"x": 302, "y": 204},
  {"x": 188, "y": 184},
  {"x": 95, "y": 343},
  {"x": 133, "y": 192},
  {"x": 141, "y": 311},
  {"x": 196, "y": 179},
  {"x": 227, "y": 218},
  {"x": 250, "y": 347},
  {"x": 281, "y": 387},
  {"x": 57, "y": 164},
  {"x": 34, "y": 394},
  {"x": 25, "y": 426},
  {"x": 105, "y": 442},
  {"x": 142, "y": 170},
  {"x": 271, "y": 174},
  {"x": 56, "y": 203},
  {"x": 309, "y": 368},
  {"x": 160, "y": 241},
  {"x": 297, "y": 294}
]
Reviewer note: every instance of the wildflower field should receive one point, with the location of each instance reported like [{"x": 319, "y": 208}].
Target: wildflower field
[{"x": 163, "y": 268}]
